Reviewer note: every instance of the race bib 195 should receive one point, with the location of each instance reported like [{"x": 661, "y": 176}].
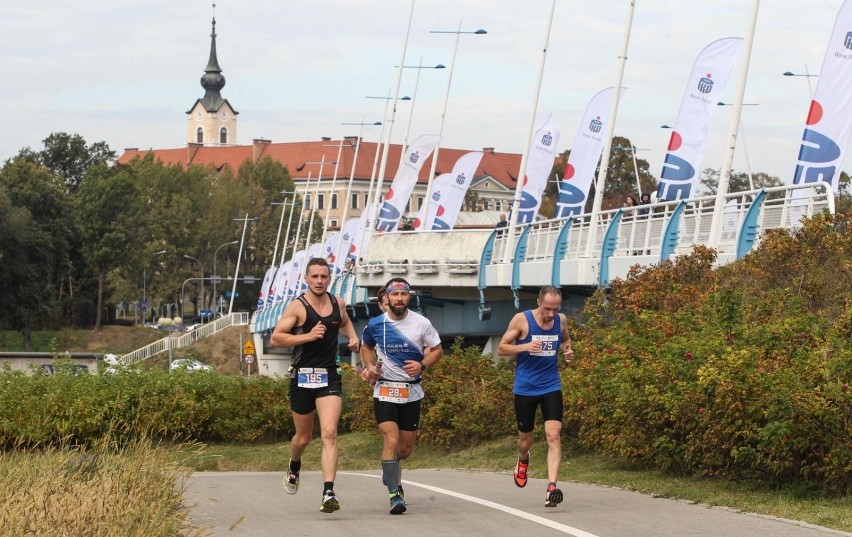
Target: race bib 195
[{"x": 312, "y": 377}]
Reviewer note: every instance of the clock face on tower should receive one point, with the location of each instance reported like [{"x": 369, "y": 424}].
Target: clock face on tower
[
  {"x": 199, "y": 115},
  {"x": 224, "y": 115}
]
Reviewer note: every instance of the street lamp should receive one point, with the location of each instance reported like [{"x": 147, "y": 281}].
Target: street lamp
[
  {"x": 145, "y": 284},
  {"x": 807, "y": 76},
  {"x": 182, "y": 306},
  {"x": 419, "y": 68},
  {"x": 371, "y": 196},
  {"x": 347, "y": 201},
  {"x": 745, "y": 145},
  {"x": 215, "y": 275},
  {"x": 245, "y": 220},
  {"x": 434, "y": 166}
]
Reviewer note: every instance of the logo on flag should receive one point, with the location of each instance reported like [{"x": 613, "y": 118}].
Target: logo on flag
[
  {"x": 595, "y": 125},
  {"x": 460, "y": 179},
  {"x": 705, "y": 84},
  {"x": 848, "y": 41},
  {"x": 414, "y": 157},
  {"x": 546, "y": 140},
  {"x": 436, "y": 196},
  {"x": 346, "y": 236}
]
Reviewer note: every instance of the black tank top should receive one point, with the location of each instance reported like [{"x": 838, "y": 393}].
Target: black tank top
[{"x": 322, "y": 352}]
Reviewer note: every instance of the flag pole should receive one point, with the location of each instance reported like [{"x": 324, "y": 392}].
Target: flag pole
[
  {"x": 519, "y": 188},
  {"x": 600, "y": 184},
  {"x": 725, "y": 175}
]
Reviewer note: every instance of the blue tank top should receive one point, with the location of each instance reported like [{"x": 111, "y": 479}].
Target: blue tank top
[{"x": 538, "y": 373}]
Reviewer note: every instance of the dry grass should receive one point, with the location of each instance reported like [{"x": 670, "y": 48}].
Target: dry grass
[{"x": 132, "y": 491}]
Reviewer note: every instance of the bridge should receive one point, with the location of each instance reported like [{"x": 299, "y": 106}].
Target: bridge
[{"x": 470, "y": 282}]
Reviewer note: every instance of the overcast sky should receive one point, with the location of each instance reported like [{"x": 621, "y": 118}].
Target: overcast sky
[{"x": 126, "y": 72}]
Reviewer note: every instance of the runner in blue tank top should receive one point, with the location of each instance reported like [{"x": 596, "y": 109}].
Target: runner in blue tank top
[{"x": 534, "y": 337}]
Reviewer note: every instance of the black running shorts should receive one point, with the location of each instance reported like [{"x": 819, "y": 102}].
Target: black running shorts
[
  {"x": 406, "y": 415},
  {"x": 304, "y": 400},
  {"x": 525, "y": 405}
]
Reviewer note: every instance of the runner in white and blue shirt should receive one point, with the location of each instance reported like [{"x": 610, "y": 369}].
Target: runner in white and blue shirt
[{"x": 397, "y": 347}]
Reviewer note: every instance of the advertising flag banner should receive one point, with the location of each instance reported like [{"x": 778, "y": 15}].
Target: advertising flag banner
[
  {"x": 329, "y": 252},
  {"x": 679, "y": 178},
  {"x": 403, "y": 182},
  {"x": 266, "y": 289},
  {"x": 539, "y": 164},
  {"x": 829, "y": 120},
  {"x": 448, "y": 191},
  {"x": 585, "y": 154},
  {"x": 350, "y": 229},
  {"x": 282, "y": 282},
  {"x": 297, "y": 262}
]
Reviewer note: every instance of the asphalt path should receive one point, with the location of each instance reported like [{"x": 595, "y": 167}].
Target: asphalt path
[{"x": 454, "y": 503}]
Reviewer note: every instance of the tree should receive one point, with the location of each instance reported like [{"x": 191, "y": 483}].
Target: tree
[
  {"x": 108, "y": 205},
  {"x": 739, "y": 182},
  {"x": 68, "y": 156},
  {"x": 38, "y": 231}
]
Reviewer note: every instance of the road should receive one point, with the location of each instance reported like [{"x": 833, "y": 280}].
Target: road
[{"x": 454, "y": 503}]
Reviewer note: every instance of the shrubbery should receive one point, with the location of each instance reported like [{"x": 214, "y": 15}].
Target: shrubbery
[
  {"x": 79, "y": 409},
  {"x": 741, "y": 372}
]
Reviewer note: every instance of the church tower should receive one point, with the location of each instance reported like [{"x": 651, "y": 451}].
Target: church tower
[{"x": 212, "y": 120}]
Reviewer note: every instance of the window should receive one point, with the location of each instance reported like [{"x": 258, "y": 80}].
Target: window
[
  {"x": 333, "y": 223},
  {"x": 334, "y": 201},
  {"x": 408, "y": 206},
  {"x": 199, "y": 135},
  {"x": 223, "y": 135},
  {"x": 308, "y": 201},
  {"x": 320, "y": 202},
  {"x": 498, "y": 205},
  {"x": 366, "y": 199},
  {"x": 354, "y": 201},
  {"x": 419, "y": 202}
]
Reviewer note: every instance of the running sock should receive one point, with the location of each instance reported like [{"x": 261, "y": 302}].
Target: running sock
[
  {"x": 390, "y": 474},
  {"x": 327, "y": 486},
  {"x": 295, "y": 466}
]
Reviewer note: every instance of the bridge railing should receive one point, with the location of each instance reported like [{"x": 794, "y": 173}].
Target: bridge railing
[
  {"x": 641, "y": 231},
  {"x": 187, "y": 339}
]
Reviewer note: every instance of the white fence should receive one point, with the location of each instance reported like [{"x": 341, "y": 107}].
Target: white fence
[{"x": 174, "y": 341}]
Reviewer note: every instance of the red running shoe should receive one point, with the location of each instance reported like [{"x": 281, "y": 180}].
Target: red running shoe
[{"x": 521, "y": 471}]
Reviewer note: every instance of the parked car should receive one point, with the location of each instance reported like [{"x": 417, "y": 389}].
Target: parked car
[{"x": 189, "y": 364}]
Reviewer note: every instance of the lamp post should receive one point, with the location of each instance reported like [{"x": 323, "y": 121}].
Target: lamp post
[
  {"x": 145, "y": 285},
  {"x": 281, "y": 224},
  {"x": 245, "y": 220},
  {"x": 182, "y": 306},
  {"x": 419, "y": 68},
  {"x": 371, "y": 192},
  {"x": 633, "y": 149},
  {"x": 807, "y": 76},
  {"x": 434, "y": 166},
  {"x": 215, "y": 275},
  {"x": 347, "y": 201},
  {"x": 508, "y": 248},
  {"x": 745, "y": 145}
]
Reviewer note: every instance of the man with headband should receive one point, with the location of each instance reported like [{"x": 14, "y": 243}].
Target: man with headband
[
  {"x": 534, "y": 337},
  {"x": 398, "y": 346},
  {"x": 311, "y": 324}
]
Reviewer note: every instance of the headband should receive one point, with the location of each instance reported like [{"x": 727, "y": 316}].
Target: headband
[{"x": 397, "y": 286}]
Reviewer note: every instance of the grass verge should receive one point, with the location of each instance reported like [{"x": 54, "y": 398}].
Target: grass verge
[
  {"x": 104, "y": 491},
  {"x": 359, "y": 451}
]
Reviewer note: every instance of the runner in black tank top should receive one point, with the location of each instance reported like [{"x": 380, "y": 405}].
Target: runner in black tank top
[
  {"x": 315, "y": 384},
  {"x": 321, "y": 352}
]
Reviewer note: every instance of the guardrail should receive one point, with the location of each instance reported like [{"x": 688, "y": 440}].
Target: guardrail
[{"x": 185, "y": 340}]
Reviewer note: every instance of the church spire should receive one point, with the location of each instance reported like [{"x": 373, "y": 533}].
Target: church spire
[{"x": 212, "y": 81}]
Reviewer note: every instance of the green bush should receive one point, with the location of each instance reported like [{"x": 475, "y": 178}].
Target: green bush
[
  {"x": 741, "y": 372},
  {"x": 43, "y": 409}
]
